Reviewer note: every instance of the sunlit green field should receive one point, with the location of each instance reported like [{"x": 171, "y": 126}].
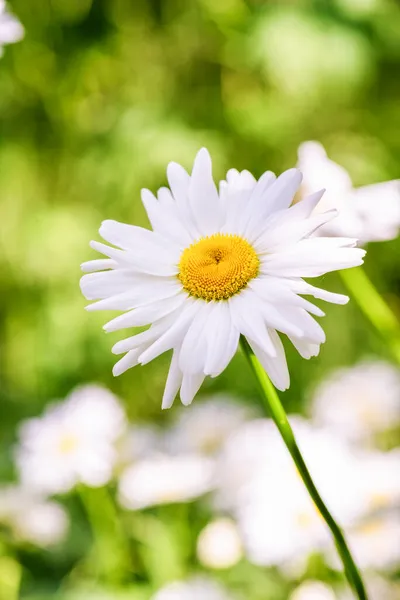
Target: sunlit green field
[{"x": 95, "y": 101}]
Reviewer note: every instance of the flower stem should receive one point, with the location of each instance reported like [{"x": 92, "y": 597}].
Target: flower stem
[
  {"x": 374, "y": 307},
  {"x": 274, "y": 406}
]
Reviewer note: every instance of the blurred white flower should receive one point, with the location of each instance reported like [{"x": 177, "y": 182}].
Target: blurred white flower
[
  {"x": 255, "y": 458},
  {"x": 258, "y": 483},
  {"x": 219, "y": 545},
  {"x": 198, "y": 588},
  {"x": 139, "y": 441},
  {"x": 72, "y": 442},
  {"x": 280, "y": 526},
  {"x": 375, "y": 544},
  {"x": 379, "y": 472},
  {"x": 378, "y": 588},
  {"x": 165, "y": 479},
  {"x": 312, "y": 590},
  {"x": 249, "y": 454},
  {"x": 207, "y": 425},
  {"x": 11, "y": 30},
  {"x": 369, "y": 213},
  {"x": 31, "y": 518},
  {"x": 359, "y": 401}
]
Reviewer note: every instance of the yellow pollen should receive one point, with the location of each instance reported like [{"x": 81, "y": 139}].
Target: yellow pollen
[{"x": 218, "y": 266}]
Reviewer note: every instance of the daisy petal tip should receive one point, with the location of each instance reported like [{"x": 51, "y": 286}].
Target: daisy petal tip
[
  {"x": 294, "y": 173},
  {"x": 119, "y": 368},
  {"x": 116, "y": 349},
  {"x": 91, "y": 307},
  {"x": 203, "y": 158},
  {"x": 146, "y": 194},
  {"x": 186, "y": 401},
  {"x": 167, "y": 403},
  {"x": 96, "y": 245}
]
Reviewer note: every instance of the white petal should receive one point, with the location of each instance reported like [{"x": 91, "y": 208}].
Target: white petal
[
  {"x": 153, "y": 261},
  {"x": 282, "y": 218},
  {"x": 306, "y": 349},
  {"x": 287, "y": 233},
  {"x": 230, "y": 349},
  {"x": 119, "y": 256},
  {"x": 128, "y": 361},
  {"x": 308, "y": 258},
  {"x": 276, "y": 367},
  {"x": 174, "y": 381},
  {"x": 277, "y": 196},
  {"x": 193, "y": 351},
  {"x": 273, "y": 315},
  {"x": 301, "y": 287},
  {"x": 142, "y": 291},
  {"x": 311, "y": 330},
  {"x": 173, "y": 336},
  {"x": 99, "y": 264},
  {"x": 165, "y": 221},
  {"x": 108, "y": 283},
  {"x": 179, "y": 181},
  {"x": 281, "y": 292},
  {"x": 165, "y": 198},
  {"x": 136, "y": 341},
  {"x": 203, "y": 195},
  {"x": 143, "y": 315},
  {"x": 246, "y": 312},
  {"x": 234, "y": 196},
  {"x": 190, "y": 386},
  {"x": 138, "y": 240},
  {"x": 220, "y": 349},
  {"x": 254, "y": 203},
  {"x": 304, "y": 208}
]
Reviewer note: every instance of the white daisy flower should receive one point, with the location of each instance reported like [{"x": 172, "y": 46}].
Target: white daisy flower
[
  {"x": 375, "y": 544},
  {"x": 207, "y": 426},
  {"x": 32, "y": 518},
  {"x": 216, "y": 266},
  {"x": 378, "y": 588},
  {"x": 219, "y": 545},
  {"x": 312, "y": 590},
  {"x": 254, "y": 467},
  {"x": 197, "y": 588},
  {"x": 138, "y": 442},
  {"x": 72, "y": 442},
  {"x": 11, "y": 30},
  {"x": 379, "y": 472},
  {"x": 165, "y": 479},
  {"x": 370, "y": 213},
  {"x": 360, "y": 401}
]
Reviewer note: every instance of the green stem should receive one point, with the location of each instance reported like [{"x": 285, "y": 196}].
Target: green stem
[
  {"x": 111, "y": 551},
  {"x": 374, "y": 307},
  {"x": 274, "y": 406}
]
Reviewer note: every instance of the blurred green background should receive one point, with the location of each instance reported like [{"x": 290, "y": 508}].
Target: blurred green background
[{"x": 95, "y": 101}]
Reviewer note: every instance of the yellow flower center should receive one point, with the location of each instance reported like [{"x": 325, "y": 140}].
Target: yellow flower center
[
  {"x": 218, "y": 266},
  {"x": 68, "y": 444}
]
